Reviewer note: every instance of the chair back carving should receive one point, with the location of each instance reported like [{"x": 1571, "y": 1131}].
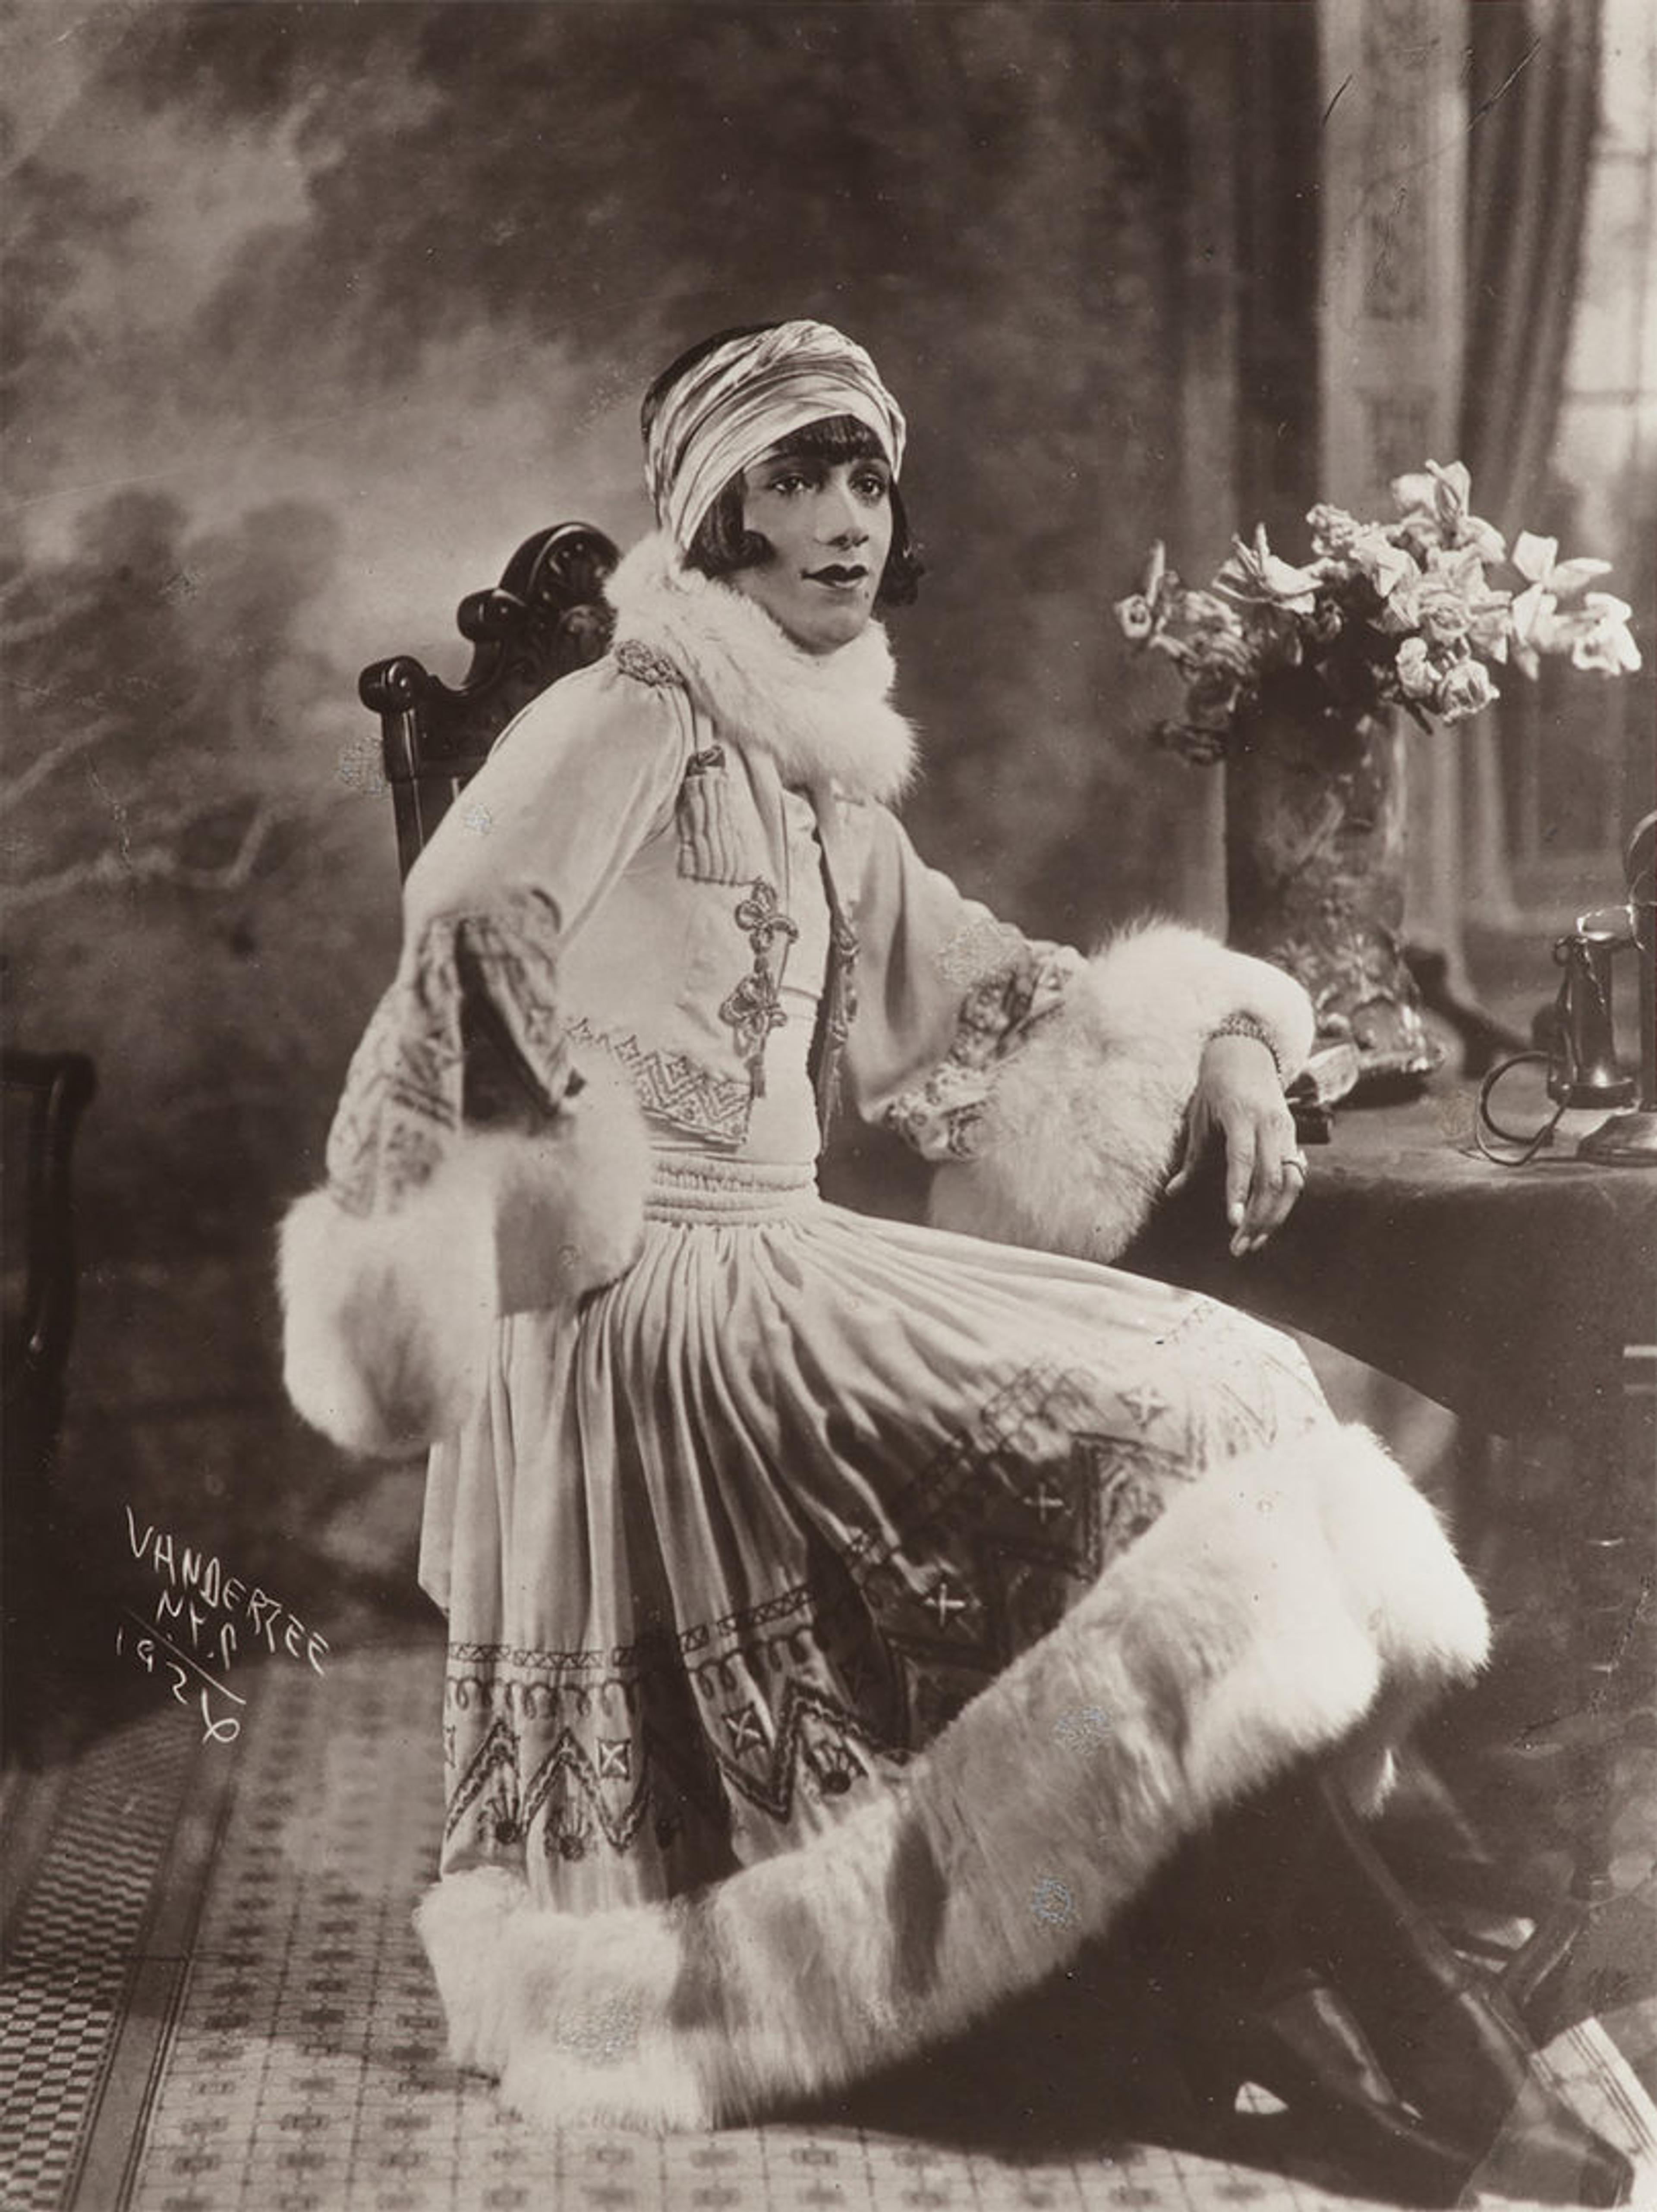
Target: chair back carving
[{"x": 545, "y": 618}]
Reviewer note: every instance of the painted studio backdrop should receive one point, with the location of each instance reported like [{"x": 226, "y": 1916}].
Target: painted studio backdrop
[{"x": 314, "y": 313}]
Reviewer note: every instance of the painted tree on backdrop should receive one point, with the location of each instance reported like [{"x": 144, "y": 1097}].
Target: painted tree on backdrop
[
  {"x": 156, "y": 682},
  {"x": 164, "y": 820}
]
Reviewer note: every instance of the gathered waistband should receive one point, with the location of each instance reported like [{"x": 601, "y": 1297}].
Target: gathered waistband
[{"x": 691, "y": 1186}]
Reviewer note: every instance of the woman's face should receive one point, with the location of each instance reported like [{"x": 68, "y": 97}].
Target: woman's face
[{"x": 829, "y": 526}]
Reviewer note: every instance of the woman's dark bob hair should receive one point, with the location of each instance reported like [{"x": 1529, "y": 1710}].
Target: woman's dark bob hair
[{"x": 722, "y": 545}]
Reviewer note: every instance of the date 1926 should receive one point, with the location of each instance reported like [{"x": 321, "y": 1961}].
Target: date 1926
[{"x": 156, "y": 1655}]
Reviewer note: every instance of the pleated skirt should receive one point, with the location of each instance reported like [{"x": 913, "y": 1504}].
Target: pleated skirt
[{"x": 730, "y": 1542}]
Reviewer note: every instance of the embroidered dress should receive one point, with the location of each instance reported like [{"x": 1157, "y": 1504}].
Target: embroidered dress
[
  {"x": 730, "y": 1541},
  {"x": 845, "y": 1617}
]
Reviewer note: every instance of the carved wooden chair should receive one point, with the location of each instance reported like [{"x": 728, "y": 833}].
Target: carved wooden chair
[
  {"x": 545, "y": 618},
  {"x": 45, "y": 1096}
]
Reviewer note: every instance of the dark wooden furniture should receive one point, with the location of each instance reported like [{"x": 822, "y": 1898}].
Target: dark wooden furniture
[
  {"x": 544, "y": 618},
  {"x": 45, "y": 1096},
  {"x": 1524, "y": 1299}
]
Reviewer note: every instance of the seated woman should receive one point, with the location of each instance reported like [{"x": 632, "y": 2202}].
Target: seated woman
[{"x": 848, "y": 1619}]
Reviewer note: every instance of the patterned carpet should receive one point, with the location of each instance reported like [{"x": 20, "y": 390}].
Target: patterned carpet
[{"x": 213, "y": 2002}]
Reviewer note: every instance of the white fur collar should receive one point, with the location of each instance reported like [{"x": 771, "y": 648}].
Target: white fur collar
[{"x": 824, "y": 719}]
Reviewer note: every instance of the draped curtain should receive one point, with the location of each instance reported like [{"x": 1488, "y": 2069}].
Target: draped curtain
[{"x": 1533, "y": 110}]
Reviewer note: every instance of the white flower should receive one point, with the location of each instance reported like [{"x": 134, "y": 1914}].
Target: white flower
[
  {"x": 1384, "y": 564},
  {"x": 1464, "y": 690},
  {"x": 1489, "y": 620},
  {"x": 1140, "y": 613},
  {"x": 1605, "y": 643},
  {"x": 1254, "y": 574},
  {"x": 1334, "y": 533},
  {"x": 1552, "y": 584},
  {"x": 1535, "y": 559},
  {"x": 1442, "y": 498},
  {"x": 1416, "y": 674},
  {"x": 1444, "y": 615},
  {"x": 1550, "y": 580},
  {"x": 1137, "y": 617}
]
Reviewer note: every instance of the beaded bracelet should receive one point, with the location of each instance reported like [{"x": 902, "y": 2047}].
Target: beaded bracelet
[{"x": 1245, "y": 1025}]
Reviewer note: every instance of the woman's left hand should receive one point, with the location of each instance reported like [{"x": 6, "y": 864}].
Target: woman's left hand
[{"x": 1239, "y": 1094}]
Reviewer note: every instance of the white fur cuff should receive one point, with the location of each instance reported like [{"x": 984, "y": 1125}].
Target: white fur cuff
[
  {"x": 389, "y": 1320},
  {"x": 1079, "y": 1132},
  {"x": 1163, "y": 980}
]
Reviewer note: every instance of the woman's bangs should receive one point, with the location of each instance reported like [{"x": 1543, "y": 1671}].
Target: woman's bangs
[{"x": 835, "y": 438}]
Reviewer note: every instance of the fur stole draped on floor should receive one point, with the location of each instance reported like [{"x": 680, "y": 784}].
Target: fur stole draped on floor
[{"x": 1292, "y": 1604}]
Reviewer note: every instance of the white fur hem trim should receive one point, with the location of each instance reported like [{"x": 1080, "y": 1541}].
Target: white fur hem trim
[
  {"x": 1278, "y": 1612},
  {"x": 389, "y": 1320},
  {"x": 1079, "y": 1132}
]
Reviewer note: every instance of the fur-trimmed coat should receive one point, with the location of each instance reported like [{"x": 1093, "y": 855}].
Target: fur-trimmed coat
[{"x": 599, "y": 944}]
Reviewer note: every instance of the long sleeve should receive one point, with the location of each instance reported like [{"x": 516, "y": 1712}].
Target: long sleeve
[
  {"x": 578, "y": 781},
  {"x": 1051, "y": 1087},
  {"x": 945, "y": 992},
  {"x": 429, "y": 1227}
]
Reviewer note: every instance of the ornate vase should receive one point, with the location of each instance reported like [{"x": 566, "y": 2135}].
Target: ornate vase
[{"x": 1314, "y": 838}]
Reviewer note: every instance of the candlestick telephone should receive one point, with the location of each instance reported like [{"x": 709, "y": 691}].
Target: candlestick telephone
[{"x": 1579, "y": 1044}]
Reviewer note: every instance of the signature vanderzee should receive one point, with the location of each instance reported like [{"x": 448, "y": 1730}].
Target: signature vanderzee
[{"x": 203, "y": 1620}]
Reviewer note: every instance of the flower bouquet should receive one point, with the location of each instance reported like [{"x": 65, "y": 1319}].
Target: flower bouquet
[
  {"x": 1297, "y": 678},
  {"x": 1400, "y": 613}
]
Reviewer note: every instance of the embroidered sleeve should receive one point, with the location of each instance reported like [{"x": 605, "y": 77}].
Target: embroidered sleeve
[
  {"x": 465, "y": 979},
  {"x": 945, "y": 991},
  {"x": 940, "y": 1115}
]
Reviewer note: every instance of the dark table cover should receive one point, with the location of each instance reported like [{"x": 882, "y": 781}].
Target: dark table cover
[{"x": 1507, "y": 1294}]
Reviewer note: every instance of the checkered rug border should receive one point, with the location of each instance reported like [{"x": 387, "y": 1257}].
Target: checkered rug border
[
  {"x": 76, "y": 1937},
  {"x": 216, "y": 2004}
]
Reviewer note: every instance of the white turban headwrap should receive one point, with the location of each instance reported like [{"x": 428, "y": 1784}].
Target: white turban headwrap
[{"x": 746, "y": 397}]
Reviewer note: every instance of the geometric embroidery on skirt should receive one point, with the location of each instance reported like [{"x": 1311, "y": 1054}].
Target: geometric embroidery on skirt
[{"x": 685, "y": 1742}]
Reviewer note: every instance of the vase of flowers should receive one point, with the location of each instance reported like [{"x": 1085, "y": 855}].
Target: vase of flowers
[
  {"x": 1314, "y": 853},
  {"x": 1297, "y": 678}
]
